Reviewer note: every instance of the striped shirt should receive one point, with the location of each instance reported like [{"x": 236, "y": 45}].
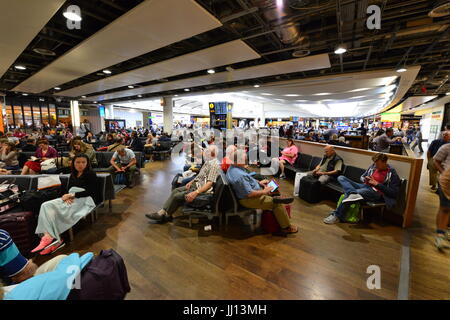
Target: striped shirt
[
  {"x": 11, "y": 261},
  {"x": 209, "y": 172},
  {"x": 443, "y": 155}
]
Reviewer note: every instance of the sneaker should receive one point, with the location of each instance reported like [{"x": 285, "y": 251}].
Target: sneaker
[
  {"x": 158, "y": 218},
  {"x": 440, "y": 242},
  {"x": 331, "y": 219},
  {"x": 282, "y": 176},
  {"x": 281, "y": 199},
  {"x": 53, "y": 248},
  {"x": 45, "y": 242},
  {"x": 353, "y": 198},
  {"x": 433, "y": 188}
]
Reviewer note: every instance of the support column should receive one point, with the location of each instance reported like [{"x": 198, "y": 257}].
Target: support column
[
  {"x": 168, "y": 114},
  {"x": 262, "y": 117},
  {"x": 109, "y": 111},
  {"x": 75, "y": 113}
]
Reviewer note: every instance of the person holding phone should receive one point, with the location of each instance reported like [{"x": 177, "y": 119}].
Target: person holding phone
[
  {"x": 256, "y": 194},
  {"x": 380, "y": 183}
]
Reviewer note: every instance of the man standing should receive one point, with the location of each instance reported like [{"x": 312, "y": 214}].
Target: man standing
[
  {"x": 203, "y": 183},
  {"x": 255, "y": 194},
  {"x": 383, "y": 142},
  {"x": 126, "y": 164},
  {"x": 330, "y": 167},
  {"x": 432, "y": 150},
  {"x": 418, "y": 141},
  {"x": 442, "y": 163},
  {"x": 380, "y": 183}
]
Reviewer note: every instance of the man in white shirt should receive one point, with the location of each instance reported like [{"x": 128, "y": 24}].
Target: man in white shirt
[{"x": 126, "y": 162}]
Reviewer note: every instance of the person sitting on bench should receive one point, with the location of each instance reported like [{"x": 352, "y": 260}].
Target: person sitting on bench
[
  {"x": 380, "y": 183},
  {"x": 127, "y": 163},
  {"x": 255, "y": 194},
  {"x": 330, "y": 166},
  {"x": 203, "y": 183},
  {"x": 289, "y": 154}
]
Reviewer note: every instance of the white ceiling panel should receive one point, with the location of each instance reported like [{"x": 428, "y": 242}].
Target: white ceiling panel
[
  {"x": 320, "y": 61},
  {"x": 220, "y": 55},
  {"x": 34, "y": 15},
  {"x": 149, "y": 26}
]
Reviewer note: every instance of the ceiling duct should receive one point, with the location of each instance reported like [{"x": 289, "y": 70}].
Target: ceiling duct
[
  {"x": 274, "y": 11},
  {"x": 440, "y": 9}
]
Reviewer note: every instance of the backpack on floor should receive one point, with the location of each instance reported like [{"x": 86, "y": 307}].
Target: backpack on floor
[
  {"x": 352, "y": 214},
  {"x": 310, "y": 189},
  {"x": 104, "y": 278},
  {"x": 120, "y": 179},
  {"x": 269, "y": 223}
]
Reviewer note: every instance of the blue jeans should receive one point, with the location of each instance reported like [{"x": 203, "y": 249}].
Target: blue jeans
[{"x": 353, "y": 187}]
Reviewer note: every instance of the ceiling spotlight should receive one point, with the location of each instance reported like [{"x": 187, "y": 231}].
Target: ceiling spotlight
[
  {"x": 256, "y": 86},
  {"x": 140, "y": 96},
  {"x": 402, "y": 69},
  {"x": 95, "y": 101},
  {"x": 84, "y": 97},
  {"x": 72, "y": 16},
  {"x": 447, "y": 94},
  {"x": 187, "y": 89},
  {"x": 131, "y": 87},
  {"x": 322, "y": 94},
  {"x": 211, "y": 71},
  {"x": 19, "y": 67},
  {"x": 24, "y": 94},
  {"x": 340, "y": 49},
  {"x": 41, "y": 99},
  {"x": 107, "y": 71},
  {"x": 57, "y": 88}
]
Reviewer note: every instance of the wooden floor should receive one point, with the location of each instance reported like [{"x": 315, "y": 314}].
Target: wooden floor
[{"x": 173, "y": 261}]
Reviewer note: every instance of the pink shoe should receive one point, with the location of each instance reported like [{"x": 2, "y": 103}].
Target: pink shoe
[
  {"x": 45, "y": 241},
  {"x": 52, "y": 248}
]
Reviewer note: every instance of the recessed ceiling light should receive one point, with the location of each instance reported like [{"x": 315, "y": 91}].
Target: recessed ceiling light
[
  {"x": 176, "y": 95},
  {"x": 400, "y": 70},
  {"x": 257, "y": 86},
  {"x": 57, "y": 88},
  {"x": 24, "y": 94},
  {"x": 95, "y": 101},
  {"x": 447, "y": 94},
  {"x": 84, "y": 97},
  {"x": 72, "y": 16},
  {"x": 340, "y": 49},
  {"x": 107, "y": 71},
  {"x": 358, "y": 97},
  {"x": 44, "y": 52},
  {"x": 322, "y": 94},
  {"x": 211, "y": 71},
  {"x": 292, "y": 95},
  {"x": 19, "y": 67},
  {"x": 187, "y": 89},
  {"x": 267, "y": 94},
  {"x": 131, "y": 87},
  {"x": 140, "y": 96}
]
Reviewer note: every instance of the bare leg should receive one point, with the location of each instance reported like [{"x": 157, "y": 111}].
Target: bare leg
[
  {"x": 442, "y": 218},
  {"x": 31, "y": 171},
  {"x": 25, "y": 170},
  {"x": 281, "y": 163}
]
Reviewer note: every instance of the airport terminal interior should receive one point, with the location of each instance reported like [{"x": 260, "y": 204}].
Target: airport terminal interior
[{"x": 225, "y": 149}]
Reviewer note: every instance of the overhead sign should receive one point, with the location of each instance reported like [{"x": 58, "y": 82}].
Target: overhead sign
[{"x": 390, "y": 117}]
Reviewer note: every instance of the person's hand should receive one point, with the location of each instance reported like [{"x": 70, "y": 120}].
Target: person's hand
[
  {"x": 67, "y": 198},
  {"x": 320, "y": 173},
  {"x": 264, "y": 182},
  {"x": 268, "y": 190},
  {"x": 189, "y": 184},
  {"x": 191, "y": 196},
  {"x": 371, "y": 181}
]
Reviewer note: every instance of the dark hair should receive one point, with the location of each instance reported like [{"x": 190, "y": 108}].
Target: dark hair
[
  {"x": 380, "y": 156},
  {"x": 447, "y": 126},
  {"x": 291, "y": 140},
  {"x": 389, "y": 130},
  {"x": 43, "y": 141},
  {"x": 88, "y": 165},
  {"x": 30, "y": 140}
]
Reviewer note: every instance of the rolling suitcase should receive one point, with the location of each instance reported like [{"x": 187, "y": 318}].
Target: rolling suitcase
[
  {"x": 21, "y": 226},
  {"x": 310, "y": 189}
]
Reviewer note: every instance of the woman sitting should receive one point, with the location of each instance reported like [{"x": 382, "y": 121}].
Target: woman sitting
[
  {"x": 289, "y": 154},
  {"x": 78, "y": 147},
  {"x": 9, "y": 157},
  {"x": 59, "y": 215},
  {"x": 43, "y": 153}
]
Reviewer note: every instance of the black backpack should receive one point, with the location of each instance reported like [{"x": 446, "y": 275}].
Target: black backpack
[
  {"x": 104, "y": 278},
  {"x": 32, "y": 200},
  {"x": 310, "y": 189}
]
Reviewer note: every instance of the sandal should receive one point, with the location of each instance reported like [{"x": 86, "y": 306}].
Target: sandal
[{"x": 290, "y": 229}]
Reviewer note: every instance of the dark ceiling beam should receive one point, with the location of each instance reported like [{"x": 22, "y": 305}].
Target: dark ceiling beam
[
  {"x": 114, "y": 5},
  {"x": 435, "y": 41}
]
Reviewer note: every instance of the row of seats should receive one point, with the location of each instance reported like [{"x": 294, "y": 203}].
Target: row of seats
[
  {"x": 103, "y": 159},
  {"x": 306, "y": 162}
]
